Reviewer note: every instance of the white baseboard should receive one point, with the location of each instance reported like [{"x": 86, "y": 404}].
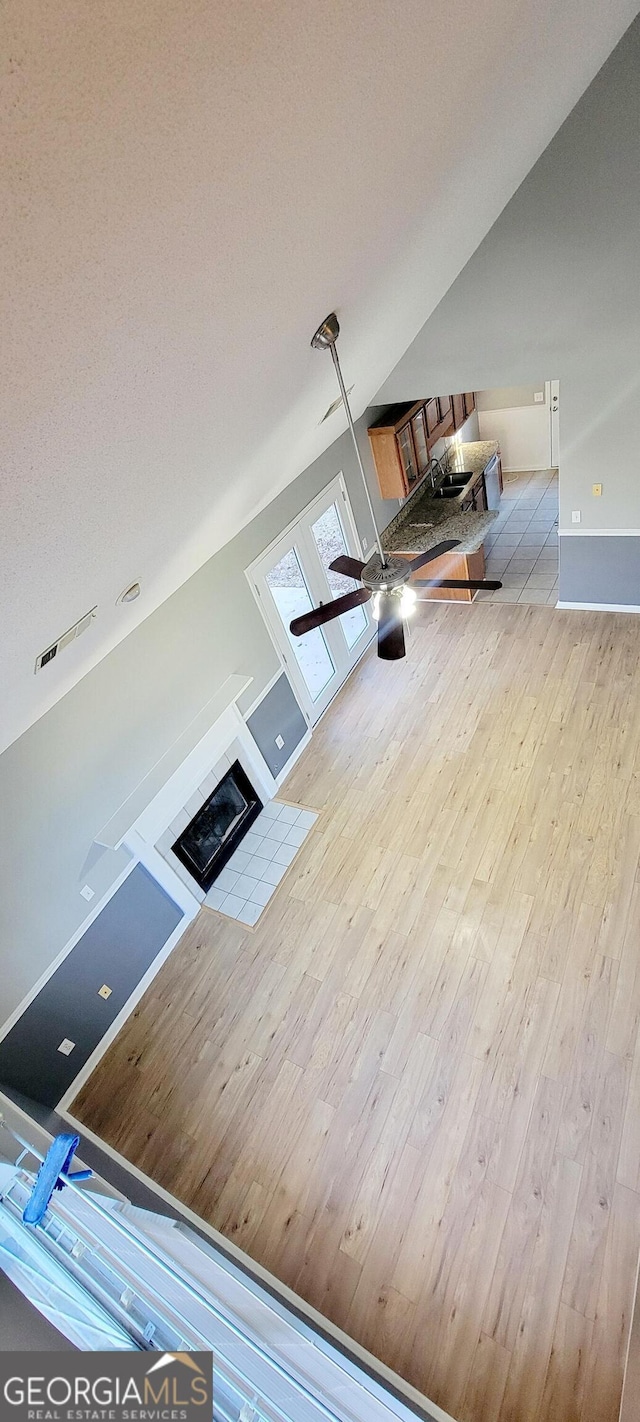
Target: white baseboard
[{"x": 600, "y": 606}]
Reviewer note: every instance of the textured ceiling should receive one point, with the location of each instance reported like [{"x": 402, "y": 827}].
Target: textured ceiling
[{"x": 188, "y": 187}]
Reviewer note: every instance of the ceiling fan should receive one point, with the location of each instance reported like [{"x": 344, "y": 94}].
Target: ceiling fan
[{"x": 384, "y": 578}]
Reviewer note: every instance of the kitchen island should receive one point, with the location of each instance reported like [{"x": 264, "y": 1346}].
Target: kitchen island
[{"x": 427, "y": 518}]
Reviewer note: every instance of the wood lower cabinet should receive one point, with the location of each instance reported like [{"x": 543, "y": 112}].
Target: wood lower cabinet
[
  {"x": 402, "y": 439},
  {"x": 450, "y": 565}
]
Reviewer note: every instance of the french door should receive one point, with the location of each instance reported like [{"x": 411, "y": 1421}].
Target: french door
[{"x": 292, "y": 576}]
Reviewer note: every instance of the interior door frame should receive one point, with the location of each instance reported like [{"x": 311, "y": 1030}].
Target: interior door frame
[
  {"x": 299, "y": 537},
  {"x": 553, "y": 399}
]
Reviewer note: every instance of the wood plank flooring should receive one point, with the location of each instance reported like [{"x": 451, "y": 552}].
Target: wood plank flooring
[{"x": 413, "y": 1091}]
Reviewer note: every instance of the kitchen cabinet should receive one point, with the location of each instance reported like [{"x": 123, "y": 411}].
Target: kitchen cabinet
[
  {"x": 486, "y": 489},
  {"x": 459, "y": 416},
  {"x": 402, "y": 439},
  {"x": 476, "y": 499},
  {"x": 432, "y": 414},
  {"x": 463, "y": 566}
]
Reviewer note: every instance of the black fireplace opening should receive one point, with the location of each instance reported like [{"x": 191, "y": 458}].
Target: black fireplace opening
[{"x": 219, "y": 826}]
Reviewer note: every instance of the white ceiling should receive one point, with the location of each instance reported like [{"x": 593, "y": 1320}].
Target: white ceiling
[{"x": 188, "y": 188}]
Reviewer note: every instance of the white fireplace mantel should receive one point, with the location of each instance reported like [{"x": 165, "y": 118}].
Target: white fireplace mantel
[{"x": 185, "y": 761}]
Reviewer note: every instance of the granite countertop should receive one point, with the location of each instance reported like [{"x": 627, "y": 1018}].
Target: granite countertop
[
  {"x": 470, "y": 458},
  {"x": 424, "y": 521}
]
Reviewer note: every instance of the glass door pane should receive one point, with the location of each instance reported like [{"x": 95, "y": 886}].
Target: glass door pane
[
  {"x": 420, "y": 440},
  {"x": 290, "y": 594},
  {"x": 330, "y": 541},
  {"x": 407, "y": 454}
]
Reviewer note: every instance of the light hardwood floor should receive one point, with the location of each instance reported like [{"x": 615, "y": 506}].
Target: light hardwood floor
[{"x": 413, "y": 1092}]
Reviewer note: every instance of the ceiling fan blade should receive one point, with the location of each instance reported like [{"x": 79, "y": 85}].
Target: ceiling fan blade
[
  {"x": 456, "y": 583},
  {"x": 390, "y": 628},
  {"x": 432, "y": 553},
  {"x": 328, "y": 611},
  {"x": 349, "y": 567}
]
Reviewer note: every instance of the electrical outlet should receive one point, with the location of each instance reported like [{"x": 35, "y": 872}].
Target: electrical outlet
[
  {"x": 365, "y": 544},
  {"x": 66, "y": 1047},
  {"x": 104, "y": 991},
  {"x": 597, "y": 491},
  {"x": 279, "y": 742},
  {"x": 576, "y": 516},
  {"x": 538, "y": 396},
  {"x": 87, "y": 892}
]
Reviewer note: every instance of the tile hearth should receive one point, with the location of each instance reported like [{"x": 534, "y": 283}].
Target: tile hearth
[{"x": 245, "y": 885}]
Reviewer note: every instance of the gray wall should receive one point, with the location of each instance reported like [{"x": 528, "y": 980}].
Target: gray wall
[
  {"x": 278, "y": 714},
  {"x": 65, "y": 777},
  {"x": 555, "y": 288},
  {"x": 116, "y": 950},
  {"x": 604, "y": 566}
]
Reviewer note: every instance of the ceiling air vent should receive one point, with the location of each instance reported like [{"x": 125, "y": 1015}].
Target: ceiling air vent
[
  {"x": 335, "y": 405},
  {"x": 63, "y": 641}
]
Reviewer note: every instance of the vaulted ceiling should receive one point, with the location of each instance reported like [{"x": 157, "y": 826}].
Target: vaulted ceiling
[{"x": 188, "y": 187}]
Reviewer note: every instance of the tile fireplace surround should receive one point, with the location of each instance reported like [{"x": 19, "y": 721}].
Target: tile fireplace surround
[
  {"x": 244, "y": 887},
  {"x": 161, "y": 807}
]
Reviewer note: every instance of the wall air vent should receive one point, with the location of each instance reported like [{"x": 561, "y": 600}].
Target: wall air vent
[{"x": 66, "y": 638}]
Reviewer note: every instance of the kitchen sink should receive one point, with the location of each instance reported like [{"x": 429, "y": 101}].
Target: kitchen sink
[
  {"x": 455, "y": 480},
  {"x": 449, "y": 491}
]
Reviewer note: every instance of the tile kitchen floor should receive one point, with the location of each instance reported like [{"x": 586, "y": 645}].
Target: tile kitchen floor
[
  {"x": 245, "y": 885},
  {"x": 522, "y": 547}
]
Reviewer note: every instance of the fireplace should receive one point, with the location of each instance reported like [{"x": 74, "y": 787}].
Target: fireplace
[{"x": 218, "y": 827}]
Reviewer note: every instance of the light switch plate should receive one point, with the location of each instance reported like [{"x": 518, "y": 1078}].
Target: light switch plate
[
  {"x": 87, "y": 892},
  {"x": 576, "y": 516},
  {"x": 104, "y": 991},
  {"x": 279, "y": 742},
  {"x": 66, "y": 1047},
  {"x": 538, "y": 396}
]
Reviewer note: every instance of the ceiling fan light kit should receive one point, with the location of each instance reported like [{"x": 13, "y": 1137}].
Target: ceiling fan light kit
[{"x": 384, "y": 578}]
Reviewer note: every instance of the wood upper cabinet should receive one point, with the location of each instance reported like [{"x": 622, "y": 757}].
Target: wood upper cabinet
[
  {"x": 459, "y": 415},
  {"x": 402, "y": 440},
  {"x": 469, "y": 402},
  {"x": 394, "y": 450},
  {"x": 433, "y": 414}
]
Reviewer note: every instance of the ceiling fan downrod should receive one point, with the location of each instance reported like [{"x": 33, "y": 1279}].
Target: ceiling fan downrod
[{"x": 325, "y": 339}]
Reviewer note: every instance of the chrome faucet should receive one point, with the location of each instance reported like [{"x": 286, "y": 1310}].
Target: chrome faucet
[{"x": 434, "y": 461}]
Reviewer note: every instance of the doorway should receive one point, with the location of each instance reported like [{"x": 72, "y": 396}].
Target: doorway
[
  {"x": 521, "y": 546},
  {"x": 292, "y": 576}
]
